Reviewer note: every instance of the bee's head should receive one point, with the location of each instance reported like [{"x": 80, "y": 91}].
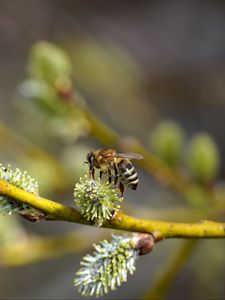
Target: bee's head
[{"x": 90, "y": 158}]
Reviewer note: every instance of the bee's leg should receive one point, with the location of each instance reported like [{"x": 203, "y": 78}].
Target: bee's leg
[
  {"x": 110, "y": 176},
  {"x": 31, "y": 218},
  {"x": 100, "y": 174},
  {"x": 116, "y": 174},
  {"x": 121, "y": 186},
  {"x": 92, "y": 173}
]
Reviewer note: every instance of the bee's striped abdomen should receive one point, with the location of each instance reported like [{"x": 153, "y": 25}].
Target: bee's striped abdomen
[{"x": 128, "y": 175}]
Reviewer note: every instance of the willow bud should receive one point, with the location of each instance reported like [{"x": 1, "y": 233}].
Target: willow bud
[
  {"x": 167, "y": 142},
  {"x": 50, "y": 63},
  {"x": 203, "y": 158}
]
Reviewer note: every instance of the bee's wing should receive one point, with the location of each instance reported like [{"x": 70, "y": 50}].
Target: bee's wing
[
  {"x": 107, "y": 153},
  {"x": 129, "y": 155}
]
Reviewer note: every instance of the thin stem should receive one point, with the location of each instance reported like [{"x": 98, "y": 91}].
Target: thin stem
[
  {"x": 169, "y": 271},
  {"x": 161, "y": 229},
  {"x": 101, "y": 131},
  {"x": 37, "y": 249},
  {"x": 20, "y": 143}
]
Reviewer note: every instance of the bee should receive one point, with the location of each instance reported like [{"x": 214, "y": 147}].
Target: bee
[{"x": 117, "y": 166}]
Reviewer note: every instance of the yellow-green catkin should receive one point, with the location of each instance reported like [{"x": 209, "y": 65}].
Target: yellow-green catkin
[
  {"x": 203, "y": 159},
  {"x": 50, "y": 63},
  {"x": 107, "y": 267},
  {"x": 97, "y": 200},
  {"x": 166, "y": 141},
  {"x": 23, "y": 181}
]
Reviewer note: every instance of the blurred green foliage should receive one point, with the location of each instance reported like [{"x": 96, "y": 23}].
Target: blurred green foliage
[
  {"x": 49, "y": 94},
  {"x": 11, "y": 230}
]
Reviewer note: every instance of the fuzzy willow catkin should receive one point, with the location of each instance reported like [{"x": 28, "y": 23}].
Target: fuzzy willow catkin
[
  {"x": 107, "y": 267},
  {"x": 97, "y": 200},
  {"x": 23, "y": 181}
]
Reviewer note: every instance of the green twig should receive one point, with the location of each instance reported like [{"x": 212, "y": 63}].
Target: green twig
[{"x": 161, "y": 229}]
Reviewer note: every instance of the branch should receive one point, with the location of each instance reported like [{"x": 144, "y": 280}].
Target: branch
[{"x": 160, "y": 229}]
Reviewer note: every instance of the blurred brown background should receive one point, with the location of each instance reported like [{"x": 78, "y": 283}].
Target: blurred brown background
[{"x": 168, "y": 61}]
